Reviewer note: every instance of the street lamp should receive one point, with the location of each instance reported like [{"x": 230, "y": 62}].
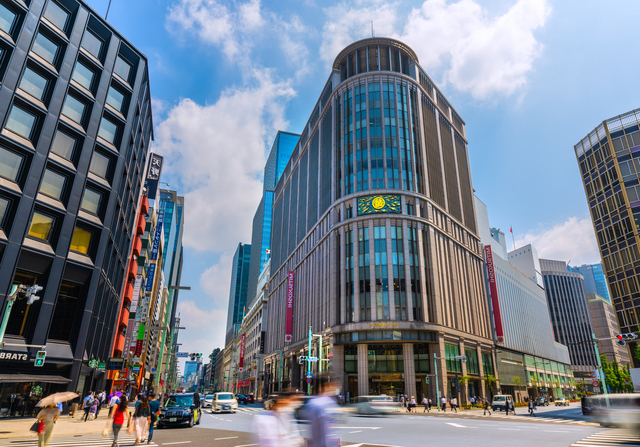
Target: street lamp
[
  {"x": 435, "y": 364},
  {"x": 18, "y": 292}
]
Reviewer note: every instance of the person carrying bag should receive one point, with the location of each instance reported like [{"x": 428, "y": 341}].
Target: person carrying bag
[
  {"x": 46, "y": 420},
  {"x": 117, "y": 418}
]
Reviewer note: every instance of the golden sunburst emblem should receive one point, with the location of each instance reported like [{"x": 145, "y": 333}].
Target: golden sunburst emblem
[{"x": 378, "y": 203}]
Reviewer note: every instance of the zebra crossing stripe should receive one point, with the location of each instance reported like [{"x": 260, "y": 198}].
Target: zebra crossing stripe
[{"x": 101, "y": 442}]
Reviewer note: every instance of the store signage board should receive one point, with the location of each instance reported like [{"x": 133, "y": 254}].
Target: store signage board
[{"x": 378, "y": 204}]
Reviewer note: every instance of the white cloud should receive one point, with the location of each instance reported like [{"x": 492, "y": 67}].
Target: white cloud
[
  {"x": 215, "y": 155},
  {"x": 474, "y": 53},
  {"x": 215, "y": 281},
  {"x": 573, "y": 240},
  {"x": 205, "y": 329},
  {"x": 251, "y": 14}
]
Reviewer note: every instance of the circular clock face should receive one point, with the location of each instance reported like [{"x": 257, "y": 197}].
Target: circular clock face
[{"x": 378, "y": 203}]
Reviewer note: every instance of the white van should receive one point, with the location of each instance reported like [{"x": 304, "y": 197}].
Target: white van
[
  {"x": 500, "y": 402},
  {"x": 224, "y": 402}
]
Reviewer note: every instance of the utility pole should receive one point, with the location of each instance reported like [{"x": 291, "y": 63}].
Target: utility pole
[
  {"x": 435, "y": 365},
  {"x": 309, "y": 361},
  {"x": 17, "y": 291}
]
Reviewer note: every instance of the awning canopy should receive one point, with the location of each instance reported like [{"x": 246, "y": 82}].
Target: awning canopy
[{"x": 23, "y": 378}]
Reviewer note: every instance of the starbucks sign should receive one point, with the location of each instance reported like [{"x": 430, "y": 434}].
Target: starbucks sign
[{"x": 93, "y": 363}]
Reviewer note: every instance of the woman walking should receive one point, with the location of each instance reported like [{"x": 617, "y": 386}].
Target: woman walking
[
  {"x": 48, "y": 415},
  {"x": 119, "y": 414},
  {"x": 142, "y": 418}
]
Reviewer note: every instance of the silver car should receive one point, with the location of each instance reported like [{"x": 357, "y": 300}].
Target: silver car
[
  {"x": 224, "y": 402},
  {"x": 207, "y": 401}
]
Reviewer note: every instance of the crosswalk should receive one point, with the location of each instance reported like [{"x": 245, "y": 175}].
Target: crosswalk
[
  {"x": 517, "y": 417},
  {"x": 90, "y": 440},
  {"x": 610, "y": 438}
]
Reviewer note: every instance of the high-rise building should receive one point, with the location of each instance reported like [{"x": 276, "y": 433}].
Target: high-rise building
[
  {"x": 606, "y": 329},
  {"x": 530, "y": 361},
  {"x": 609, "y": 166},
  {"x": 594, "y": 279},
  {"x": 238, "y": 292},
  {"x": 76, "y": 130},
  {"x": 281, "y": 151},
  {"x": 570, "y": 314},
  {"x": 374, "y": 239}
]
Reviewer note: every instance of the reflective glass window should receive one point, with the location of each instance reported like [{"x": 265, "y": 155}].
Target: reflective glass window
[
  {"x": 21, "y": 122},
  {"x": 34, "y": 84},
  {"x": 64, "y": 145},
  {"x": 41, "y": 226},
  {"x": 91, "y": 201},
  {"x": 53, "y": 184},
  {"x": 99, "y": 165},
  {"x": 92, "y": 44},
  {"x": 10, "y": 164},
  {"x": 73, "y": 109},
  {"x": 7, "y": 18},
  {"x": 83, "y": 76},
  {"x": 46, "y": 49},
  {"x": 108, "y": 130},
  {"x": 24, "y": 316},
  {"x": 56, "y": 15},
  {"x": 115, "y": 99},
  {"x": 4, "y": 206},
  {"x": 65, "y": 312},
  {"x": 80, "y": 240},
  {"x": 122, "y": 68}
]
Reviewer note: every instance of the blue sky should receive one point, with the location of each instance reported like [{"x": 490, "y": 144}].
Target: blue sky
[{"x": 529, "y": 77}]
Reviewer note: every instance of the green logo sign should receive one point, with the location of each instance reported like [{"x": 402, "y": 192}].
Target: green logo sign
[
  {"x": 93, "y": 363},
  {"x": 102, "y": 365},
  {"x": 378, "y": 204},
  {"x": 36, "y": 390}
]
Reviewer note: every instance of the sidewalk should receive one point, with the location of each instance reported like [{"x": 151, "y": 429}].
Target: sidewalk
[{"x": 19, "y": 428}]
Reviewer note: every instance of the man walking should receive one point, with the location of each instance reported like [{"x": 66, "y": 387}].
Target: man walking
[
  {"x": 454, "y": 404},
  {"x": 487, "y": 407},
  {"x": 88, "y": 402},
  {"x": 425, "y": 402},
  {"x": 443, "y": 401},
  {"x": 531, "y": 408},
  {"x": 154, "y": 405}
]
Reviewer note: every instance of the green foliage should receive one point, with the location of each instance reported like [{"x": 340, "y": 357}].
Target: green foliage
[
  {"x": 534, "y": 380},
  {"x": 615, "y": 376},
  {"x": 516, "y": 381},
  {"x": 491, "y": 382},
  {"x": 213, "y": 355},
  {"x": 464, "y": 379},
  {"x": 636, "y": 352}
]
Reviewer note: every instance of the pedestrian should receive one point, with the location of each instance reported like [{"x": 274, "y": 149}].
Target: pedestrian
[
  {"x": 113, "y": 401},
  {"x": 142, "y": 419},
  {"x": 513, "y": 407},
  {"x": 473, "y": 401},
  {"x": 95, "y": 406},
  {"x": 74, "y": 407},
  {"x": 487, "y": 407},
  {"x": 102, "y": 397},
  {"x": 454, "y": 404},
  {"x": 444, "y": 403},
  {"x": 48, "y": 415},
  {"x": 531, "y": 408},
  {"x": 321, "y": 412},
  {"x": 87, "y": 403},
  {"x": 154, "y": 406},
  {"x": 278, "y": 426},
  {"x": 119, "y": 413},
  {"x": 425, "y": 402}
]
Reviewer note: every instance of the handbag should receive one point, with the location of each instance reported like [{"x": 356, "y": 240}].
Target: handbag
[
  {"x": 41, "y": 428},
  {"x": 35, "y": 426},
  {"x": 105, "y": 430}
]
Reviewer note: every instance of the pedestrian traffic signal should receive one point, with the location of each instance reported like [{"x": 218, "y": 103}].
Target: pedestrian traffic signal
[
  {"x": 40, "y": 358},
  {"x": 624, "y": 338}
]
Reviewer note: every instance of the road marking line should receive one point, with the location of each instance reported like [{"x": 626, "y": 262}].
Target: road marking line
[
  {"x": 230, "y": 437},
  {"x": 456, "y": 425},
  {"x": 512, "y": 429},
  {"x": 357, "y": 431},
  {"x": 364, "y": 428},
  {"x": 556, "y": 431},
  {"x": 173, "y": 443},
  {"x": 245, "y": 445}
]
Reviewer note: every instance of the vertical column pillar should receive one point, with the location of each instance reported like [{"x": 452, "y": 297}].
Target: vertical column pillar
[
  {"x": 372, "y": 272},
  {"x": 407, "y": 270},
  {"x": 363, "y": 370},
  {"x": 409, "y": 370},
  {"x": 337, "y": 372},
  {"x": 442, "y": 368},
  {"x": 464, "y": 387},
  {"x": 483, "y": 392},
  {"x": 356, "y": 273},
  {"x": 390, "y": 277}
]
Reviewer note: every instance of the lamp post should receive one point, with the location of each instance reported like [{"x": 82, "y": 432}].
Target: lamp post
[
  {"x": 435, "y": 365},
  {"x": 17, "y": 291}
]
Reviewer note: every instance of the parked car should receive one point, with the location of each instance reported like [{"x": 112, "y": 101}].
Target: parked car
[
  {"x": 250, "y": 399},
  {"x": 500, "y": 402},
  {"x": 208, "y": 400},
  {"x": 562, "y": 402},
  {"x": 180, "y": 409},
  {"x": 542, "y": 402},
  {"x": 224, "y": 402},
  {"x": 241, "y": 398}
]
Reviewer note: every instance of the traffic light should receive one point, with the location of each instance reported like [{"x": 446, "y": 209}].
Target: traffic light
[
  {"x": 624, "y": 338},
  {"x": 40, "y": 358}
]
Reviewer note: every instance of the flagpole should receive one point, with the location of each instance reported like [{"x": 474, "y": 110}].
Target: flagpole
[{"x": 513, "y": 238}]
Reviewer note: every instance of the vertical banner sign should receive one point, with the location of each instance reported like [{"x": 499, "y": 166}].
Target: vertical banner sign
[
  {"x": 140, "y": 341},
  {"x": 157, "y": 235},
  {"x": 150, "y": 274},
  {"x": 262, "y": 334},
  {"x": 288, "y": 332},
  {"x": 134, "y": 304},
  {"x": 497, "y": 317},
  {"x": 241, "y": 364},
  {"x": 153, "y": 176}
]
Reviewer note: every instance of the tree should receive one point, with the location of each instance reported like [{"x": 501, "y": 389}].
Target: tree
[
  {"x": 534, "y": 380},
  {"x": 516, "y": 381},
  {"x": 636, "y": 352},
  {"x": 212, "y": 356},
  {"x": 491, "y": 382}
]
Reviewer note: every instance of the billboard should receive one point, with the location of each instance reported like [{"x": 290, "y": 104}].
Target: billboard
[
  {"x": 288, "y": 332},
  {"x": 241, "y": 363},
  {"x": 153, "y": 176},
  {"x": 378, "y": 204},
  {"x": 493, "y": 287},
  {"x": 157, "y": 235}
]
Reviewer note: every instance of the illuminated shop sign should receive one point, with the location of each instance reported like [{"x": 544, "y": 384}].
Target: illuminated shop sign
[{"x": 378, "y": 204}]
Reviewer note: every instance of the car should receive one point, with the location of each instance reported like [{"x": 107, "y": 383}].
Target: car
[
  {"x": 500, "y": 401},
  {"x": 542, "y": 402},
  {"x": 224, "y": 402},
  {"x": 268, "y": 401},
  {"x": 250, "y": 399},
  {"x": 376, "y": 405},
  {"x": 208, "y": 400},
  {"x": 562, "y": 402},
  {"x": 617, "y": 410},
  {"x": 241, "y": 398},
  {"x": 180, "y": 409}
]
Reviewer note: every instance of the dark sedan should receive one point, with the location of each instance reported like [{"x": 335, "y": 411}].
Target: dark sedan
[{"x": 180, "y": 409}]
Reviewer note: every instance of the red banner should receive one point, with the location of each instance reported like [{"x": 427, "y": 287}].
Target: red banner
[
  {"x": 241, "y": 364},
  {"x": 497, "y": 317},
  {"x": 288, "y": 333},
  {"x": 138, "y": 351}
]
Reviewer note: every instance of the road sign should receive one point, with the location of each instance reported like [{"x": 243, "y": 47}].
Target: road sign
[
  {"x": 309, "y": 376},
  {"x": 182, "y": 354},
  {"x": 595, "y": 383},
  {"x": 313, "y": 359},
  {"x": 136, "y": 369},
  {"x": 308, "y": 380},
  {"x": 593, "y": 375},
  {"x": 596, "y": 389},
  {"x": 241, "y": 369},
  {"x": 153, "y": 370},
  {"x": 309, "y": 373}
]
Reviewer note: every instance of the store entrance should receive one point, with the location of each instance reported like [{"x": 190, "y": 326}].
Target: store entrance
[{"x": 390, "y": 385}]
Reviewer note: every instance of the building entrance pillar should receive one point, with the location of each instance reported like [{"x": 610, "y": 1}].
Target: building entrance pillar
[
  {"x": 363, "y": 370},
  {"x": 409, "y": 370},
  {"x": 483, "y": 392}
]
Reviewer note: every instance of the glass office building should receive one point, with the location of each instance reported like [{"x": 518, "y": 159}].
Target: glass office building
[
  {"x": 609, "y": 160},
  {"x": 76, "y": 127},
  {"x": 374, "y": 240},
  {"x": 238, "y": 292},
  {"x": 594, "y": 279}
]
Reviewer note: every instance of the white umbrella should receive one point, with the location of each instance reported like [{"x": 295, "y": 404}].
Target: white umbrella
[{"x": 53, "y": 399}]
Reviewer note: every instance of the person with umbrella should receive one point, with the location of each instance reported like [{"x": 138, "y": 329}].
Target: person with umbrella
[{"x": 50, "y": 413}]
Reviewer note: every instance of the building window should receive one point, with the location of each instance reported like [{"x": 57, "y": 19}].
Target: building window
[
  {"x": 10, "y": 164},
  {"x": 4, "y": 207},
  {"x": 74, "y": 109},
  {"x": 7, "y": 19},
  {"x": 385, "y": 358},
  {"x": 122, "y": 68},
  {"x": 472, "y": 361},
  {"x": 34, "y": 84},
  {"x": 41, "y": 226},
  {"x": 351, "y": 358},
  {"x": 64, "y": 145},
  {"x": 64, "y": 315},
  {"x": 21, "y": 122},
  {"x": 24, "y": 317},
  {"x": 399, "y": 282},
  {"x": 46, "y": 49},
  {"x": 83, "y": 75},
  {"x": 452, "y": 351},
  {"x": 81, "y": 240},
  {"x": 421, "y": 357},
  {"x": 56, "y": 15},
  {"x": 348, "y": 239},
  {"x": 108, "y": 130},
  {"x": 365, "y": 274},
  {"x": 487, "y": 363},
  {"x": 53, "y": 184},
  {"x": 115, "y": 99},
  {"x": 92, "y": 43},
  {"x": 382, "y": 279},
  {"x": 99, "y": 165},
  {"x": 91, "y": 201}
]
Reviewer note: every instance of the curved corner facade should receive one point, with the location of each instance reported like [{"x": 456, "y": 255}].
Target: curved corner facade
[{"x": 374, "y": 215}]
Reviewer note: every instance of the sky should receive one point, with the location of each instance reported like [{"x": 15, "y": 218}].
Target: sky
[{"x": 529, "y": 77}]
